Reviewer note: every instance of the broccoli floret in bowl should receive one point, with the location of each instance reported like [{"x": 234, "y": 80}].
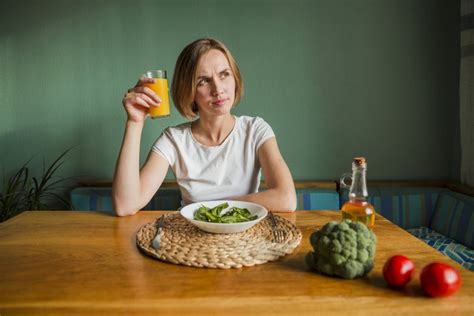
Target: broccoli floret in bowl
[{"x": 345, "y": 249}]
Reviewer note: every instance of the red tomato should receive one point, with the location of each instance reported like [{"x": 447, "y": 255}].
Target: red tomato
[
  {"x": 398, "y": 271},
  {"x": 439, "y": 279}
]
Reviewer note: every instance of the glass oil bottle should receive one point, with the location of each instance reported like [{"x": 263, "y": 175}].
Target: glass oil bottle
[{"x": 358, "y": 208}]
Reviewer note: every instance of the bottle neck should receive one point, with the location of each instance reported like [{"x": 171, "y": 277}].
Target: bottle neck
[{"x": 358, "y": 192}]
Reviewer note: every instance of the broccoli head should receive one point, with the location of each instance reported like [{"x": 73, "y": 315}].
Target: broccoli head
[{"x": 345, "y": 249}]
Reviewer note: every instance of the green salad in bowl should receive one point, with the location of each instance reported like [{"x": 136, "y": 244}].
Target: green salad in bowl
[
  {"x": 215, "y": 214},
  {"x": 224, "y": 216}
]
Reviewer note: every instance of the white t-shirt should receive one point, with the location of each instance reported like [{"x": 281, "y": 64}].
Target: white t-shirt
[{"x": 206, "y": 173}]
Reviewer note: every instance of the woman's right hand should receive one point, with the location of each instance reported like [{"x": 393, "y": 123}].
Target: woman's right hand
[{"x": 138, "y": 100}]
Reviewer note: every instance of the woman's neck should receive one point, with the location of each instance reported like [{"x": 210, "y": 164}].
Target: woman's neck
[{"x": 213, "y": 132}]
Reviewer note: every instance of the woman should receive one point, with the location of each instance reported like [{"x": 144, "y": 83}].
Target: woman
[{"x": 216, "y": 156}]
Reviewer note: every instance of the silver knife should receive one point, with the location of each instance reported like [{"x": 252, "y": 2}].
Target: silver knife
[{"x": 157, "y": 240}]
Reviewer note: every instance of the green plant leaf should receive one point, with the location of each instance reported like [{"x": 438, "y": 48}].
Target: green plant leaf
[{"x": 23, "y": 192}]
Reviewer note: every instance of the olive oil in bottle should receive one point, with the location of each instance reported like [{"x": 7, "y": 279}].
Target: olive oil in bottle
[{"x": 358, "y": 208}]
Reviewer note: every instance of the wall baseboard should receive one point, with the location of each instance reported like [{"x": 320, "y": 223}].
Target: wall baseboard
[{"x": 327, "y": 184}]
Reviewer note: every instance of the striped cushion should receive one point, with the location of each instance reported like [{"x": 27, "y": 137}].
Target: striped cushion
[
  {"x": 449, "y": 247},
  {"x": 454, "y": 217},
  {"x": 91, "y": 199},
  {"x": 100, "y": 199},
  {"x": 317, "y": 199},
  {"x": 408, "y": 207},
  {"x": 165, "y": 199}
]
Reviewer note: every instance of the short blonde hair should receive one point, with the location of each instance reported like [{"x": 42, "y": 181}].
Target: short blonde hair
[{"x": 183, "y": 88}]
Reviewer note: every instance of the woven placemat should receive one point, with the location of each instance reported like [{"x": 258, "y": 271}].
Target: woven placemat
[{"x": 184, "y": 243}]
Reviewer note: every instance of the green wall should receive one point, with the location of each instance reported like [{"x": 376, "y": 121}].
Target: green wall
[{"x": 335, "y": 79}]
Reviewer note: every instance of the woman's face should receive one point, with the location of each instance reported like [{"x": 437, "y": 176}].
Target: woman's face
[{"x": 215, "y": 91}]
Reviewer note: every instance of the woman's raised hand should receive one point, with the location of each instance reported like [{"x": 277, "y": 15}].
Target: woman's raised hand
[{"x": 138, "y": 100}]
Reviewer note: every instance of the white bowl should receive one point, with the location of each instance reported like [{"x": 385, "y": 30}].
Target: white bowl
[{"x": 222, "y": 228}]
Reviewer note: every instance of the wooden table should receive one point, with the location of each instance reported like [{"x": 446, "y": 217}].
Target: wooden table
[{"x": 55, "y": 262}]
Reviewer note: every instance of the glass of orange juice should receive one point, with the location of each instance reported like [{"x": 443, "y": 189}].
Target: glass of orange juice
[{"x": 160, "y": 87}]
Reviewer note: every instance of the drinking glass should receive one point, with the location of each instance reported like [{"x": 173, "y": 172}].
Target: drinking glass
[{"x": 160, "y": 87}]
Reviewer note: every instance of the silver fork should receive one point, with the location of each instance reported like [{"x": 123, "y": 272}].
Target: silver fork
[
  {"x": 278, "y": 233},
  {"x": 157, "y": 240}
]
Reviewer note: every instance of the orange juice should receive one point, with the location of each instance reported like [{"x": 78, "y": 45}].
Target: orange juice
[{"x": 160, "y": 87}]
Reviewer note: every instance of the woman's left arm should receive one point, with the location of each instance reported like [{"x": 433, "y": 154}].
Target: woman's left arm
[{"x": 279, "y": 195}]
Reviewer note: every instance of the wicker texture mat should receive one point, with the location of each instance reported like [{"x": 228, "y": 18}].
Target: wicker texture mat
[{"x": 183, "y": 243}]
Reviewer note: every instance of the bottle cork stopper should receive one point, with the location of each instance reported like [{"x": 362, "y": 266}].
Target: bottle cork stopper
[{"x": 359, "y": 161}]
